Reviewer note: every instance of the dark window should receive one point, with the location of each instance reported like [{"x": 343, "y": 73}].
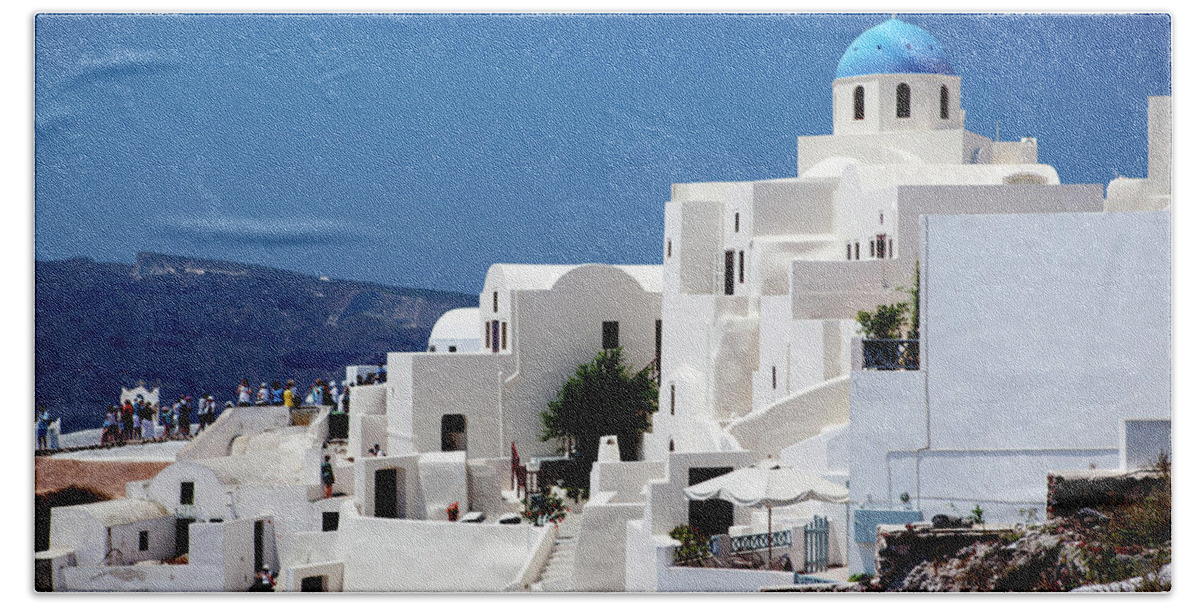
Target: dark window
[
  {"x": 495, "y": 301},
  {"x": 945, "y": 102},
  {"x": 872, "y": 249},
  {"x": 452, "y": 349},
  {"x": 709, "y": 516},
  {"x": 848, "y": 257},
  {"x": 860, "y": 103},
  {"x": 487, "y": 335},
  {"x": 668, "y": 247},
  {"x": 672, "y": 399},
  {"x": 312, "y": 583},
  {"x": 856, "y": 250},
  {"x": 880, "y": 218},
  {"x": 432, "y": 348},
  {"x": 729, "y": 273},
  {"x": 329, "y": 521},
  {"x": 504, "y": 335},
  {"x": 454, "y": 433},
  {"x": 773, "y": 385},
  {"x": 671, "y": 446},
  {"x": 260, "y": 541},
  {"x": 610, "y": 335},
  {"x": 187, "y": 492},
  {"x": 658, "y": 344},
  {"x": 879, "y": 241},
  {"x": 890, "y": 252},
  {"x": 737, "y": 222},
  {"x": 741, "y": 267},
  {"x": 495, "y": 336},
  {"x": 144, "y": 540},
  {"x": 903, "y": 101}
]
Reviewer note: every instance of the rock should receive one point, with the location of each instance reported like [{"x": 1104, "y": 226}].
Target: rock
[{"x": 948, "y": 521}]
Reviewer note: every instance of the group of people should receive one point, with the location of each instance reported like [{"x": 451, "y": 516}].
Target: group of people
[
  {"x": 134, "y": 420},
  {"x": 379, "y": 376},
  {"x": 129, "y": 421},
  {"x": 319, "y": 392}
]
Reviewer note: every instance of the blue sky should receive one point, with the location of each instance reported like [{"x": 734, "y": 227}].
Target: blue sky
[{"x": 417, "y": 150}]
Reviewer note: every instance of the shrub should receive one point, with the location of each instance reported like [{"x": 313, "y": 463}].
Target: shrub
[
  {"x": 693, "y": 548},
  {"x": 544, "y": 508}
]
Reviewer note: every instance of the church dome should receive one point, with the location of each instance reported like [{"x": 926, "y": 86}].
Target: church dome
[{"x": 894, "y": 47}]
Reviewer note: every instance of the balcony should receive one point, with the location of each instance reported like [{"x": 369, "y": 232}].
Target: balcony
[{"x": 890, "y": 355}]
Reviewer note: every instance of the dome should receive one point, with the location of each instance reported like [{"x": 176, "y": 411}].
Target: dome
[
  {"x": 456, "y": 324},
  {"x": 894, "y": 47}
]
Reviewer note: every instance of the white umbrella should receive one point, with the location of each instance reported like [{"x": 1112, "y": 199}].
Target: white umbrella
[{"x": 769, "y": 483}]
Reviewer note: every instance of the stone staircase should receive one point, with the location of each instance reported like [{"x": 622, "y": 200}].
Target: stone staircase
[{"x": 559, "y": 573}]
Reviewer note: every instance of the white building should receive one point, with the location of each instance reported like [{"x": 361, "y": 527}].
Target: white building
[{"x": 457, "y": 331}]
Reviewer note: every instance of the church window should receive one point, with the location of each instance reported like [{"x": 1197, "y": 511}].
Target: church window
[
  {"x": 945, "y": 102},
  {"x": 903, "y": 101},
  {"x": 860, "y": 104}
]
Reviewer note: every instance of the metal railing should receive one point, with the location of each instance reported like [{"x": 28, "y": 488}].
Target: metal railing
[
  {"x": 753, "y": 542},
  {"x": 891, "y": 354}
]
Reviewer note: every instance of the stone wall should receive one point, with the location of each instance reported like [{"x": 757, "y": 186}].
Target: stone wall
[
  {"x": 899, "y": 549},
  {"x": 1069, "y": 491}
]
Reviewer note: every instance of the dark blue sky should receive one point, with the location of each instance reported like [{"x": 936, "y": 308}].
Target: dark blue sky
[{"x": 417, "y": 150}]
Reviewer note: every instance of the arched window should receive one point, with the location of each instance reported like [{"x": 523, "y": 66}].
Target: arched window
[
  {"x": 860, "y": 104},
  {"x": 945, "y": 102},
  {"x": 903, "y": 101}
]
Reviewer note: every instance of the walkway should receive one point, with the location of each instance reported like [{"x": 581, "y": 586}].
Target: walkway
[{"x": 559, "y": 574}]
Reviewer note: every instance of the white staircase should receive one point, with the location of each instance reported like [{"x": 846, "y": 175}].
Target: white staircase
[{"x": 559, "y": 574}]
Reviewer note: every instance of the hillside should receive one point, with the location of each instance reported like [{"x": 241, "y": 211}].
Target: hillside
[{"x": 199, "y": 326}]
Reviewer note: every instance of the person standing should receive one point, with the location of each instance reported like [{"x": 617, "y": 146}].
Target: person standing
[
  {"x": 276, "y": 393},
  {"x": 264, "y": 395},
  {"x": 243, "y": 393},
  {"x": 147, "y": 415},
  {"x": 327, "y": 477},
  {"x": 43, "y": 428},
  {"x": 289, "y": 395}
]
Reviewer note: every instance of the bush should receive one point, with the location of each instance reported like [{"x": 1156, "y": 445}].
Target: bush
[
  {"x": 544, "y": 508},
  {"x": 860, "y": 577},
  {"x": 693, "y": 548}
]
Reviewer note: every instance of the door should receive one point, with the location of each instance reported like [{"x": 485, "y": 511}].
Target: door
[
  {"x": 181, "y": 535},
  {"x": 385, "y": 494},
  {"x": 259, "y": 541},
  {"x": 729, "y": 272},
  {"x": 709, "y": 516},
  {"x": 454, "y": 433},
  {"x": 312, "y": 583}
]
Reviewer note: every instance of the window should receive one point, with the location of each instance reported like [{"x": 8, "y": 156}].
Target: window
[
  {"x": 729, "y": 272},
  {"x": 187, "y": 492},
  {"x": 737, "y": 222},
  {"x": 741, "y": 267},
  {"x": 903, "y": 101},
  {"x": 452, "y": 349},
  {"x": 144, "y": 540},
  {"x": 668, "y": 247},
  {"x": 856, "y": 250},
  {"x": 671, "y": 446},
  {"x": 891, "y": 254},
  {"x": 880, "y": 218},
  {"x": 848, "y": 252},
  {"x": 773, "y": 379},
  {"x": 872, "y": 249},
  {"x": 487, "y": 335},
  {"x": 879, "y": 241},
  {"x": 672, "y": 399},
  {"x": 945, "y": 102},
  {"x": 329, "y": 521},
  {"x": 610, "y": 337},
  {"x": 432, "y": 348},
  {"x": 860, "y": 105},
  {"x": 504, "y": 335},
  {"x": 312, "y": 583},
  {"x": 495, "y": 301}
]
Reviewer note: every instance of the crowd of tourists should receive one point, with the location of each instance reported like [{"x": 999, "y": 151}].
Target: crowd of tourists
[
  {"x": 134, "y": 419},
  {"x": 320, "y": 392}
]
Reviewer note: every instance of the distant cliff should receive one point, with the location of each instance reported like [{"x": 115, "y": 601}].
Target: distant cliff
[{"x": 200, "y": 326}]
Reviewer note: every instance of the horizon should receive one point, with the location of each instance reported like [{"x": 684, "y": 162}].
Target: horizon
[{"x": 549, "y": 139}]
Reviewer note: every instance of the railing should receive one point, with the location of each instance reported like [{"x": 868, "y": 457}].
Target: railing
[
  {"x": 891, "y": 354},
  {"x": 816, "y": 545},
  {"x": 753, "y": 542}
]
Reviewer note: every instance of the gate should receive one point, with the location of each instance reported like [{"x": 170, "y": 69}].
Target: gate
[{"x": 816, "y": 545}]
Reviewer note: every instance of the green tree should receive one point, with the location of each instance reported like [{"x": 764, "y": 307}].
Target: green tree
[
  {"x": 885, "y": 322},
  {"x": 602, "y": 398}
]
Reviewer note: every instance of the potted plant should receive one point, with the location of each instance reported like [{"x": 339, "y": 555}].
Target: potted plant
[{"x": 452, "y": 511}]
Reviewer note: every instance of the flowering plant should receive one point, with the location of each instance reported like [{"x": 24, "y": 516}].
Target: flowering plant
[
  {"x": 452, "y": 511},
  {"x": 544, "y": 508}
]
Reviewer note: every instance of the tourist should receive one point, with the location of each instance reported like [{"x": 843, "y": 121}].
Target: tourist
[
  {"x": 43, "y": 428},
  {"x": 276, "y": 393},
  {"x": 167, "y": 420},
  {"x": 327, "y": 477},
  {"x": 263, "y": 395},
  {"x": 329, "y": 393},
  {"x": 112, "y": 427},
  {"x": 146, "y": 412},
  {"x": 380, "y": 374},
  {"x": 289, "y": 395},
  {"x": 127, "y": 420},
  {"x": 344, "y": 406},
  {"x": 243, "y": 393}
]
